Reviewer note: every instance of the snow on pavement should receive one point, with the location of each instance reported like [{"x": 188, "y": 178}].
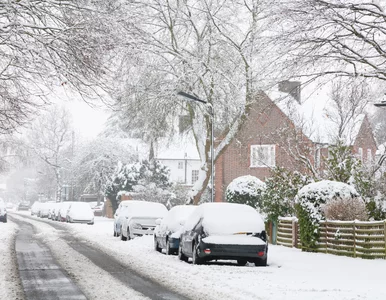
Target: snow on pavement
[
  {"x": 10, "y": 285},
  {"x": 94, "y": 282},
  {"x": 291, "y": 274}
]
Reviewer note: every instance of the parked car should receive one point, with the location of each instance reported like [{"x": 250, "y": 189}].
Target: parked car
[
  {"x": 119, "y": 216},
  {"x": 44, "y": 210},
  {"x": 52, "y": 207},
  {"x": 23, "y": 206},
  {"x": 168, "y": 230},
  {"x": 80, "y": 212},
  {"x": 55, "y": 216},
  {"x": 35, "y": 208},
  {"x": 228, "y": 231},
  {"x": 63, "y": 208},
  {"x": 9, "y": 206},
  {"x": 3, "y": 212},
  {"x": 98, "y": 209},
  {"x": 139, "y": 218}
]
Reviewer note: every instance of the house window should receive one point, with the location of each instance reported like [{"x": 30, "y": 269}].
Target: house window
[
  {"x": 263, "y": 156},
  {"x": 369, "y": 155},
  {"x": 194, "y": 176},
  {"x": 360, "y": 153},
  {"x": 180, "y": 165}
]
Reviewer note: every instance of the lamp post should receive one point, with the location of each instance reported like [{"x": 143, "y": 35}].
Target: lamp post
[{"x": 196, "y": 99}]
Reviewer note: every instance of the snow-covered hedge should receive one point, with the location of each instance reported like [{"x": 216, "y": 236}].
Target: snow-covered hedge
[
  {"x": 312, "y": 200},
  {"x": 246, "y": 190}
]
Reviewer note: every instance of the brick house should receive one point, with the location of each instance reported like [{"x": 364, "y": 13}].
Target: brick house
[{"x": 274, "y": 134}]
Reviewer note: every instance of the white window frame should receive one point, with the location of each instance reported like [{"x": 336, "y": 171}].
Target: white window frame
[
  {"x": 195, "y": 175},
  {"x": 261, "y": 162}
]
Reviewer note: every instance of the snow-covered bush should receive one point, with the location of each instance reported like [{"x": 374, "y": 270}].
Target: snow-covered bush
[
  {"x": 245, "y": 190},
  {"x": 376, "y": 207},
  {"x": 278, "y": 199},
  {"x": 311, "y": 201}
]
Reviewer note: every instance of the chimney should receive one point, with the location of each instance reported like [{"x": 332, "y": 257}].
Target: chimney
[{"x": 291, "y": 87}]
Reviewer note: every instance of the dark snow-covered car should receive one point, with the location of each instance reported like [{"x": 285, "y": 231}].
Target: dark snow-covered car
[
  {"x": 226, "y": 231},
  {"x": 168, "y": 230},
  {"x": 139, "y": 218},
  {"x": 23, "y": 206},
  {"x": 3, "y": 212}
]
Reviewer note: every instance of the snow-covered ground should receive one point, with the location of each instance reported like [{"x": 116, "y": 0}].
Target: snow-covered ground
[
  {"x": 291, "y": 274},
  {"x": 10, "y": 286}
]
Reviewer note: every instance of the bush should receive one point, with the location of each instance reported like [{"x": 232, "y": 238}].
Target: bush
[
  {"x": 311, "y": 201},
  {"x": 246, "y": 190},
  {"x": 345, "y": 210}
]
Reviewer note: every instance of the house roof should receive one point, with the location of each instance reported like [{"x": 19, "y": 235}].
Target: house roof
[
  {"x": 181, "y": 146},
  {"x": 313, "y": 115}
]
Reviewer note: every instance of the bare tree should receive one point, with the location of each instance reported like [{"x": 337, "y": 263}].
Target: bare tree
[
  {"x": 48, "y": 44},
  {"x": 347, "y": 38},
  {"x": 48, "y": 137},
  {"x": 216, "y": 50}
]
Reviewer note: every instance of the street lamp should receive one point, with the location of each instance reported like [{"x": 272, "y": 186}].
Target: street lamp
[{"x": 196, "y": 99}]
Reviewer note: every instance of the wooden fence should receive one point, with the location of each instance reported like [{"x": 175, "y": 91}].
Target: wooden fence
[{"x": 348, "y": 238}]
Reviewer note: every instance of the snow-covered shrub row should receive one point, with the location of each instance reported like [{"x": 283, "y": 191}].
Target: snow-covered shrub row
[
  {"x": 312, "y": 199},
  {"x": 246, "y": 190}
]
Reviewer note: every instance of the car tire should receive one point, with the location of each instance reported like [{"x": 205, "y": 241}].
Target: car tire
[
  {"x": 156, "y": 247},
  {"x": 196, "y": 260},
  {"x": 115, "y": 233},
  {"x": 169, "y": 251},
  {"x": 242, "y": 262},
  {"x": 261, "y": 262},
  {"x": 123, "y": 238},
  {"x": 128, "y": 235},
  {"x": 181, "y": 255}
]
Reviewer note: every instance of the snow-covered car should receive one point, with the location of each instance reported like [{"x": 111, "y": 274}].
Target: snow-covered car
[
  {"x": 44, "y": 210},
  {"x": 52, "y": 208},
  {"x": 98, "y": 209},
  {"x": 139, "y": 218},
  {"x": 80, "y": 212},
  {"x": 119, "y": 216},
  {"x": 35, "y": 208},
  {"x": 9, "y": 206},
  {"x": 63, "y": 208},
  {"x": 23, "y": 206},
  {"x": 3, "y": 212},
  {"x": 227, "y": 231},
  {"x": 167, "y": 233}
]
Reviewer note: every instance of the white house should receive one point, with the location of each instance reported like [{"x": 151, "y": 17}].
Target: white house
[{"x": 180, "y": 155}]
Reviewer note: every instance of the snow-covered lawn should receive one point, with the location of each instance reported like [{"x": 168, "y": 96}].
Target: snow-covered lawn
[
  {"x": 10, "y": 287},
  {"x": 291, "y": 274}
]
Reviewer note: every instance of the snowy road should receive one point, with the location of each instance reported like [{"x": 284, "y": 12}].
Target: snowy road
[{"x": 291, "y": 274}]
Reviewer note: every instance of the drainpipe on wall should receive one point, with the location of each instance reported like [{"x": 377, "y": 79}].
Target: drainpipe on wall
[{"x": 186, "y": 171}]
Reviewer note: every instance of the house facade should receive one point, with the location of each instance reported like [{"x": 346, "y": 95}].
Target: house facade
[{"x": 275, "y": 135}]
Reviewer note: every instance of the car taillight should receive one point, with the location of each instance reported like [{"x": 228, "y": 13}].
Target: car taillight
[
  {"x": 207, "y": 251},
  {"x": 260, "y": 253}
]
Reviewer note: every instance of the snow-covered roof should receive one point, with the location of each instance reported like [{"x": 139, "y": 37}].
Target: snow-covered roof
[
  {"x": 312, "y": 114},
  {"x": 179, "y": 147}
]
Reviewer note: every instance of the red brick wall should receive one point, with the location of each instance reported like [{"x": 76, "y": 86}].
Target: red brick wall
[
  {"x": 265, "y": 124},
  {"x": 365, "y": 140}
]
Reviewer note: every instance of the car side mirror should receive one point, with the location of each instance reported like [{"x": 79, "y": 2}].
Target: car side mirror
[{"x": 158, "y": 221}]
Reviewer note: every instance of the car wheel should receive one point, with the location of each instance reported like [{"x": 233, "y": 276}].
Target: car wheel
[
  {"x": 123, "y": 238},
  {"x": 242, "y": 262},
  {"x": 168, "y": 250},
  {"x": 156, "y": 247},
  {"x": 115, "y": 233},
  {"x": 128, "y": 234},
  {"x": 261, "y": 262},
  {"x": 182, "y": 256},
  {"x": 196, "y": 260}
]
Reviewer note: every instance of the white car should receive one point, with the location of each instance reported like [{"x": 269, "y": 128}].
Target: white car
[
  {"x": 140, "y": 218},
  {"x": 80, "y": 212},
  {"x": 35, "y": 208},
  {"x": 52, "y": 208},
  {"x": 119, "y": 216},
  {"x": 44, "y": 210},
  {"x": 167, "y": 233},
  {"x": 62, "y": 212}
]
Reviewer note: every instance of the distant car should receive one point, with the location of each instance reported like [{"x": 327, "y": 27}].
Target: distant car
[
  {"x": 63, "y": 208},
  {"x": 98, "y": 209},
  {"x": 80, "y": 212},
  {"x": 44, "y": 210},
  {"x": 52, "y": 207},
  {"x": 35, "y": 208},
  {"x": 227, "y": 231},
  {"x": 23, "y": 206},
  {"x": 139, "y": 218},
  {"x": 3, "y": 212},
  {"x": 9, "y": 206},
  {"x": 167, "y": 233}
]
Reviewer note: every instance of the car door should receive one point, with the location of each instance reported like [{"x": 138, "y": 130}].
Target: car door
[{"x": 190, "y": 237}]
